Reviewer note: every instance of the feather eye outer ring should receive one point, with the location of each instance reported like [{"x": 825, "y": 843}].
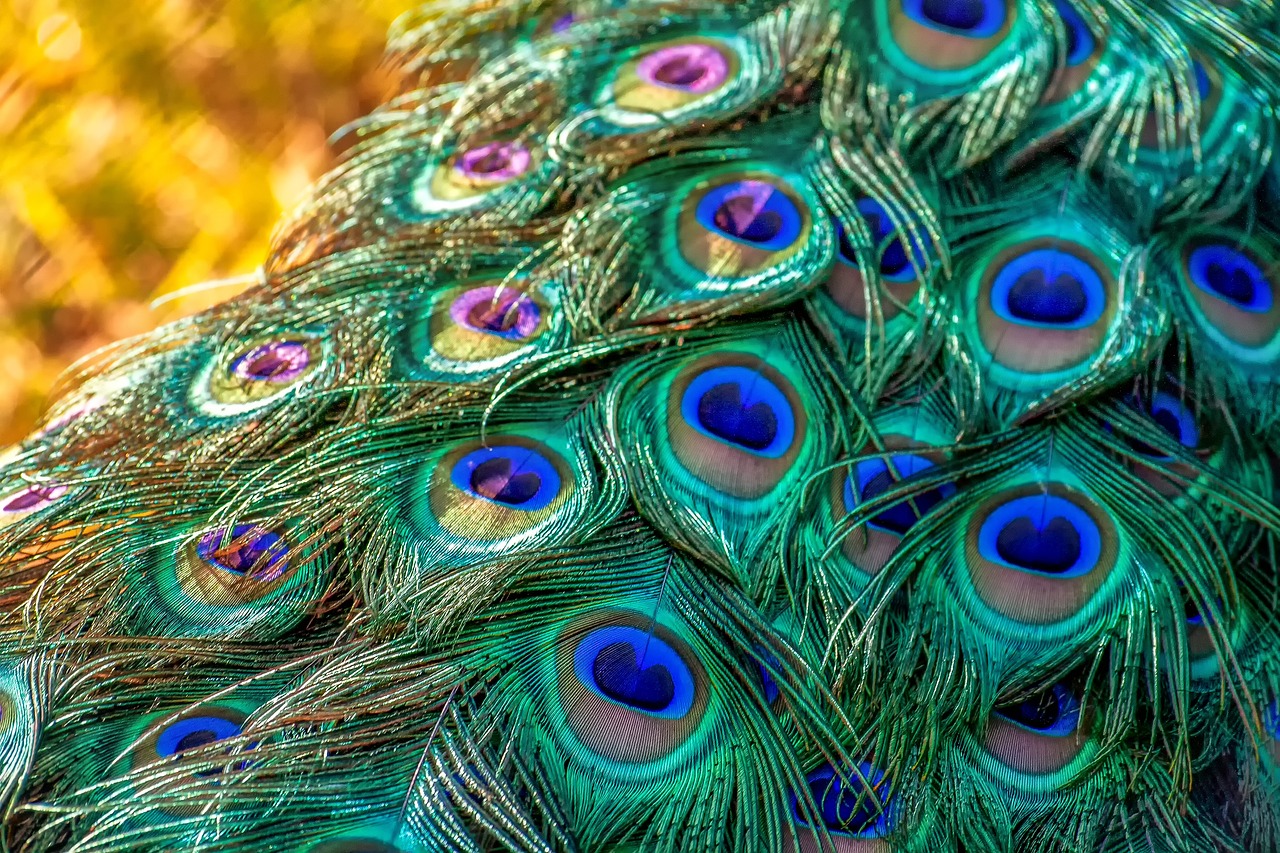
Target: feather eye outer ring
[
  {"x": 943, "y": 41},
  {"x": 176, "y": 739},
  {"x": 1041, "y": 735},
  {"x": 1231, "y": 295},
  {"x": 257, "y": 373},
  {"x": 493, "y": 490},
  {"x": 858, "y": 811},
  {"x": 478, "y": 327},
  {"x": 663, "y": 80},
  {"x": 1038, "y": 553},
  {"x": 1044, "y": 306},
  {"x": 631, "y": 690},
  {"x": 737, "y": 223},
  {"x": 735, "y": 423}
]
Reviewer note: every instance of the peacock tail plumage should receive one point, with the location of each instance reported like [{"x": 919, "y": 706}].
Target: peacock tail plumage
[{"x": 680, "y": 425}]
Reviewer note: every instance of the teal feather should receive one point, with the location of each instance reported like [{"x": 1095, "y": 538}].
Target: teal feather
[
  {"x": 684, "y": 426},
  {"x": 918, "y": 78}
]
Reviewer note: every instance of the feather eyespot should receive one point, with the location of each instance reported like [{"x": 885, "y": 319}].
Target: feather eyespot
[
  {"x": 1200, "y": 643},
  {"x": 230, "y": 580},
  {"x": 972, "y": 18},
  {"x": 632, "y": 691},
  {"x": 1084, "y": 50},
  {"x": 1042, "y": 534},
  {"x": 1039, "y": 735},
  {"x": 1230, "y": 293},
  {"x": 870, "y": 545},
  {"x": 478, "y": 328},
  {"x": 948, "y": 35},
  {"x": 735, "y": 423},
  {"x": 768, "y": 685},
  {"x": 513, "y": 476},
  {"x": 466, "y": 178},
  {"x": 507, "y": 486},
  {"x": 665, "y": 80},
  {"x": 1080, "y": 39},
  {"x": 873, "y": 477},
  {"x": 856, "y": 806},
  {"x": 1271, "y": 728},
  {"x": 1173, "y": 416},
  {"x": 188, "y": 741},
  {"x": 736, "y": 224},
  {"x": 898, "y": 268},
  {"x": 1038, "y": 553},
  {"x": 1044, "y": 306},
  {"x": 228, "y": 567},
  {"x": 258, "y": 373}
]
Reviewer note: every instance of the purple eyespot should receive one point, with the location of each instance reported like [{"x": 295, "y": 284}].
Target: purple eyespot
[
  {"x": 31, "y": 499},
  {"x": 693, "y": 68},
  {"x": 496, "y": 310},
  {"x": 497, "y": 161},
  {"x": 277, "y": 361},
  {"x": 245, "y": 550}
]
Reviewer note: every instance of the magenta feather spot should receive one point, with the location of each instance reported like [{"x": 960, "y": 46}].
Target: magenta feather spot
[
  {"x": 694, "y": 68},
  {"x": 32, "y": 498},
  {"x": 496, "y": 161},
  {"x": 277, "y": 361}
]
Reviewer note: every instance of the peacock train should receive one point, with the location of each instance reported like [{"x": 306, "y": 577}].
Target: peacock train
[{"x": 683, "y": 426}]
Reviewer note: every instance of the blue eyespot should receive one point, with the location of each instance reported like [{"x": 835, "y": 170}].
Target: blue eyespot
[
  {"x": 1080, "y": 40},
  {"x": 636, "y": 669},
  {"x": 194, "y": 732},
  {"x": 1272, "y": 720},
  {"x": 971, "y": 18},
  {"x": 245, "y": 549},
  {"x": 739, "y": 406},
  {"x": 895, "y": 266},
  {"x": 1055, "y": 713},
  {"x": 516, "y": 477},
  {"x": 1049, "y": 288},
  {"x": 755, "y": 213},
  {"x": 1041, "y": 534},
  {"x": 860, "y": 809},
  {"x": 1230, "y": 275},
  {"x": 874, "y": 478}
]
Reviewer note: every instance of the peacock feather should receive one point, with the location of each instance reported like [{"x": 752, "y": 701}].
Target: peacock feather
[{"x": 688, "y": 426}]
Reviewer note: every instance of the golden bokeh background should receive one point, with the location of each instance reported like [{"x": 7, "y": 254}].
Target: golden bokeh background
[{"x": 151, "y": 145}]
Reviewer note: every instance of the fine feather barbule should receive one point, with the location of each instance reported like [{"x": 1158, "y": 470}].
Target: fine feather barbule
[{"x": 689, "y": 426}]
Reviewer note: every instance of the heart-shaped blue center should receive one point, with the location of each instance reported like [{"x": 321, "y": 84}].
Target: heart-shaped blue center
[
  {"x": 500, "y": 481},
  {"x": 1052, "y": 548},
  {"x": 619, "y": 676},
  {"x": 723, "y": 414}
]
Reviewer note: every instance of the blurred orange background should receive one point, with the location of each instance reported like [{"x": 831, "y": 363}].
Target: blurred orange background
[{"x": 149, "y": 146}]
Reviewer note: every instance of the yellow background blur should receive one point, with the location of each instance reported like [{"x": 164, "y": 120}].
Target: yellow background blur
[{"x": 149, "y": 145}]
